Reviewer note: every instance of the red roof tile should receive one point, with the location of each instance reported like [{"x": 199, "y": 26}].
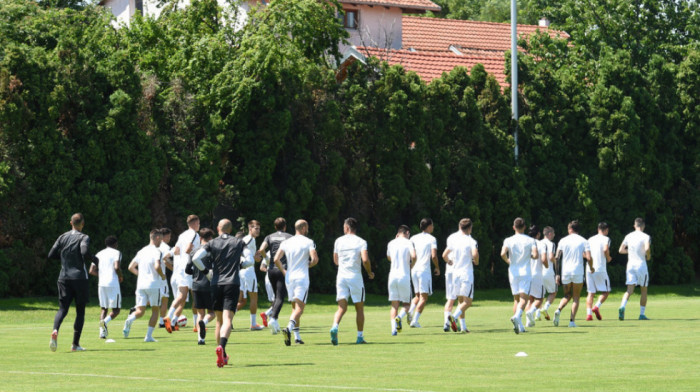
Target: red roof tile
[
  {"x": 431, "y": 65},
  {"x": 435, "y": 34},
  {"x": 406, "y": 4}
]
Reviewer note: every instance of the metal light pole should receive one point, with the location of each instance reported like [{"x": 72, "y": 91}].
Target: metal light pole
[{"x": 514, "y": 70}]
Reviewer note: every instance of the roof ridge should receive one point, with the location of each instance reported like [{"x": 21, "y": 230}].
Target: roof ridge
[{"x": 406, "y": 16}]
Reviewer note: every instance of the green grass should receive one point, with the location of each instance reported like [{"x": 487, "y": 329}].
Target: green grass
[{"x": 660, "y": 354}]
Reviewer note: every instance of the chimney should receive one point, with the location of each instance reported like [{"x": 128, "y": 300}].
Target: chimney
[{"x": 544, "y": 22}]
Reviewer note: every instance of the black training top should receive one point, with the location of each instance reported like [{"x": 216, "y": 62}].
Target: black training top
[
  {"x": 273, "y": 242},
  {"x": 72, "y": 248},
  {"x": 225, "y": 252}
]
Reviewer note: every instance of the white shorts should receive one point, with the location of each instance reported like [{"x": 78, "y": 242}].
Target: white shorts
[
  {"x": 537, "y": 287},
  {"x": 400, "y": 289},
  {"x": 550, "y": 284},
  {"x": 175, "y": 285},
  {"x": 110, "y": 297},
  {"x": 450, "y": 293},
  {"x": 350, "y": 288},
  {"x": 571, "y": 278},
  {"x": 463, "y": 287},
  {"x": 269, "y": 289},
  {"x": 249, "y": 282},
  {"x": 638, "y": 277},
  {"x": 165, "y": 290},
  {"x": 144, "y": 297},
  {"x": 422, "y": 282},
  {"x": 298, "y": 289},
  {"x": 597, "y": 282},
  {"x": 519, "y": 284}
]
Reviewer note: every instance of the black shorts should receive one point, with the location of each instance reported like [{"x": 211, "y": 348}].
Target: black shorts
[
  {"x": 226, "y": 297},
  {"x": 68, "y": 290},
  {"x": 202, "y": 299}
]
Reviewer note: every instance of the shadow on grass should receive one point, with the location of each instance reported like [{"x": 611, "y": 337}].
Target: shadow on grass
[
  {"x": 120, "y": 349},
  {"x": 268, "y": 365}
]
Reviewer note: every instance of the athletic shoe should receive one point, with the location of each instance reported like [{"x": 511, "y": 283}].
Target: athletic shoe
[
  {"x": 597, "y": 313},
  {"x": 465, "y": 330},
  {"x": 360, "y": 340},
  {"x": 102, "y": 333},
  {"x": 75, "y": 348},
  {"x": 161, "y": 325},
  {"x": 572, "y": 324},
  {"x": 516, "y": 324},
  {"x": 287, "y": 337},
  {"x": 530, "y": 319},
  {"x": 334, "y": 336},
  {"x": 538, "y": 315},
  {"x": 446, "y": 327},
  {"x": 546, "y": 314},
  {"x": 201, "y": 342},
  {"x": 103, "y": 328},
  {"x": 275, "y": 327},
  {"x": 53, "y": 344},
  {"x": 127, "y": 327},
  {"x": 643, "y": 317},
  {"x": 195, "y": 330},
  {"x": 453, "y": 323},
  {"x": 220, "y": 361},
  {"x": 168, "y": 326},
  {"x": 226, "y": 358},
  {"x": 298, "y": 341},
  {"x": 149, "y": 339},
  {"x": 522, "y": 329},
  {"x": 414, "y": 324},
  {"x": 393, "y": 333},
  {"x": 409, "y": 318},
  {"x": 398, "y": 324},
  {"x": 256, "y": 327},
  {"x": 263, "y": 316},
  {"x": 589, "y": 317},
  {"x": 177, "y": 328},
  {"x": 621, "y": 314},
  {"x": 557, "y": 313},
  {"x": 202, "y": 330}
]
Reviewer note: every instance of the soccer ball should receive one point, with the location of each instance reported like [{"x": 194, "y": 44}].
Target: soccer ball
[{"x": 182, "y": 322}]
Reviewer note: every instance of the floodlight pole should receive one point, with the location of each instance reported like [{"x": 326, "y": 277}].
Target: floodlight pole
[{"x": 514, "y": 71}]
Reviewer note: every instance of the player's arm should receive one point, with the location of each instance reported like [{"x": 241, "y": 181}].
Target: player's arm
[
  {"x": 93, "y": 270},
  {"x": 647, "y": 250},
  {"x": 335, "y": 258},
  {"x": 168, "y": 260},
  {"x": 199, "y": 256},
  {"x": 434, "y": 257},
  {"x": 606, "y": 252},
  {"x": 587, "y": 256},
  {"x": 446, "y": 256},
  {"x": 504, "y": 254},
  {"x": 117, "y": 268},
  {"x": 133, "y": 267},
  {"x": 475, "y": 255},
  {"x": 85, "y": 250},
  {"x": 557, "y": 265},
  {"x": 533, "y": 253},
  {"x": 278, "y": 260},
  {"x": 413, "y": 257},
  {"x": 55, "y": 253},
  {"x": 313, "y": 258},
  {"x": 366, "y": 263},
  {"x": 623, "y": 248},
  {"x": 543, "y": 259}
]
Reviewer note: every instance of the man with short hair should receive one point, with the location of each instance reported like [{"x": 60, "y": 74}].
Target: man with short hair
[
  {"x": 426, "y": 250},
  {"x": 348, "y": 252},
  {"x": 550, "y": 275},
  {"x": 598, "y": 281},
  {"x": 187, "y": 243},
  {"x": 225, "y": 253},
  {"x": 537, "y": 266},
  {"x": 109, "y": 273},
  {"x": 146, "y": 265},
  {"x": 72, "y": 248},
  {"x": 202, "y": 297},
  {"x": 301, "y": 255},
  {"x": 573, "y": 249},
  {"x": 463, "y": 250},
  {"x": 249, "y": 281},
  {"x": 637, "y": 245},
  {"x": 517, "y": 251},
  {"x": 402, "y": 256},
  {"x": 277, "y": 280}
]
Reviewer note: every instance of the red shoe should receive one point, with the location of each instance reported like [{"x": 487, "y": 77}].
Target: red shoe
[
  {"x": 168, "y": 326},
  {"x": 176, "y": 328},
  {"x": 597, "y": 313},
  {"x": 54, "y": 341},
  {"x": 195, "y": 330},
  {"x": 263, "y": 316},
  {"x": 220, "y": 360},
  {"x": 226, "y": 359},
  {"x": 589, "y": 317}
]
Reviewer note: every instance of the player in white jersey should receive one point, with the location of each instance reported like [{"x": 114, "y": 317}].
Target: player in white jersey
[
  {"x": 402, "y": 256},
  {"x": 537, "y": 268},
  {"x": 637, "y": 245},
  {"x": 300, "y": 252},
  {"x": 249, "y": 281},
  {"x": 550, "y": 275},
  {"x": 110, "y": 275},
  {"x": 573, "y": 249},
  {"x": 463, "y": 251},
  {"x": 598, "y": 281},
  {"x": 187, "y": 243},
  {"x": 349, "y": 251},
  {"x": 450, "y": 294},
  {"x": 146, "y": 265},
  {"x": 426, "y": 250},
  {"x": 167, "y": 263},
  {"x": 268, "y": 289},
  {"x": 517, "y": 251}
]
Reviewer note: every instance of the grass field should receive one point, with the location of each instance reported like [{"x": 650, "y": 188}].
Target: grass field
[{"x": 661, "y": 354}]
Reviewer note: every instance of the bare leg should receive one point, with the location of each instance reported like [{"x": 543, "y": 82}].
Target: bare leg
[
  {"x": 360, "y": 309},
  {"x": 342, "y": 308},
  {"x": 577, "y": 296}
]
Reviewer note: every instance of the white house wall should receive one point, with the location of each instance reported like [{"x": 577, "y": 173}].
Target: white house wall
[{"x": 378, "y": 27}]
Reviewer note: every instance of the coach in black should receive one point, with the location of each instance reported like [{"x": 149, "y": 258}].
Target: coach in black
[
  {"x": 72, "y": 249},
  {"x": 225, "y": 253}
]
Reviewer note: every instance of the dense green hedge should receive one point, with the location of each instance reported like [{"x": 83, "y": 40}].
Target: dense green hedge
[{"x": 141, "y": 126}]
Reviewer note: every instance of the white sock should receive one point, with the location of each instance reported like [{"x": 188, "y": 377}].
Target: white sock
[
  {"x": 335, "y": 325},
  {"x": 598, "y": 304},
  {"x": 623, "y": 303},
  {"x": 537, "y": 313},
  {"x": 641, "y": 310},
  {"x": 173, "y": 321},
  {"x": 296, "y": 334},
  {"x": 402, "y": 313},
  {"x": 160, "y": 320},
  {"x": 412, "y": 308},
  {"x": 252, "y": 320},
  {"x": 457, "y": 313},
  {"x": 205, "y": 321},
  {"x": 195, "y": 317},
  {"x": 269, "y": 312},
  {"x": 149, "y": 334},
  {"x": 292, "y": 324},
  {"x": 589, "y": 311},
  {"x": 132, "y": 317},
  {"x": 463, "y": 324},
  {"x": 518, "y": 313},
  {"x": 171, "y": 313},
  {"x": 393, "y": 325},
  {"x": 416, "y": 316},
  {"x": 359, "y": 334},
  {"x": 547, "y": 305},
  {"x": 108, "y": 319},
  {"x": 446, "y": 315}
]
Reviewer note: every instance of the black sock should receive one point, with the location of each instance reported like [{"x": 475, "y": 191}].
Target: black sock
[
  {"x": 76, "y": 338},
  {"x": 223, "y": 344}
]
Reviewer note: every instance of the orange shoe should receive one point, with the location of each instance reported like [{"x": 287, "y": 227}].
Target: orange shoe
[
  {"x": 176, "y": 328},
  {"x": 168, "y": 326},
  {"x": 263, "y": 316},
  {"x": 195, "y": 330}
]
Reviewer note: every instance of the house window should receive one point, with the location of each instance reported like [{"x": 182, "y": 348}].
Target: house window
[{"x": 350, "y": 19}]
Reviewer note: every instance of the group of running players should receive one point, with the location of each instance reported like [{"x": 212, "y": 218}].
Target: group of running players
[{"x": 219, "y": 273}]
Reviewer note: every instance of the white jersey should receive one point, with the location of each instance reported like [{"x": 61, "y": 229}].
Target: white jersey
[
  {"x": 165, "y": 248},
  {"x": 519, "y": 251},
  {"x": 297, "y": 250},
  {"x": 573, "y": 246},
  {"x": 399, "y": 251},
  {"x": 597, "y": 244},
  {"x": 107, "y": 275},
  {"x": 461, "y": 247},
  {"x": 349, "y": 248},
  {"x": 424, "y": 243},
  {"x": 536, "y": 266},
  {"x": 148, "y": 277},
  {"x": 635, "y": 248},
  {"x": 549, "y": 250},
  {"x": 183, "y": 241},
  {"x": 249, "y": 255}
]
